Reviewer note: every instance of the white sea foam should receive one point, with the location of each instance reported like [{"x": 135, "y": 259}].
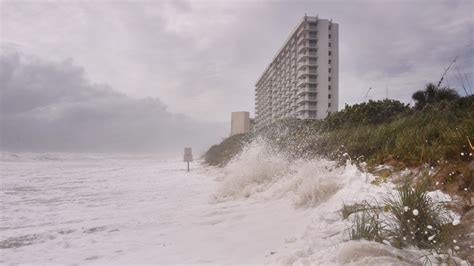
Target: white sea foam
[
  {"x": 321, "y": 187},
  {"x": 259, "y": 172},
  {"x": 253, "y": 171},
  {"x": 266, "y": 209}
]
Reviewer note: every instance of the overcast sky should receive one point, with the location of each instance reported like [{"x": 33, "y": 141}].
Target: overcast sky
[{"x": 196, "y": 61}]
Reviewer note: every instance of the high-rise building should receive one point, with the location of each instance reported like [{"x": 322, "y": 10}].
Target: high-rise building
[
  {"x": 240, "y": 123},
  {"x": 302, "y": 81}
]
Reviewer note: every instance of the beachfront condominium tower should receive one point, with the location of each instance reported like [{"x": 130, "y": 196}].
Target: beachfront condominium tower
[{"x": 302, "y": 81}]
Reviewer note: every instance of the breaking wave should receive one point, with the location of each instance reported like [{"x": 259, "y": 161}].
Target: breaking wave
[
  {"x": 64, "y": 156},
  {"x": 30, "y": 156},
  {"x": 260, "y": 172},
  {"x": 319, "y": 188}
]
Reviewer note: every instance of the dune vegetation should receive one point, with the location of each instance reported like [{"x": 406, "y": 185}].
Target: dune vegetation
[{"x": 434, "y": 132}]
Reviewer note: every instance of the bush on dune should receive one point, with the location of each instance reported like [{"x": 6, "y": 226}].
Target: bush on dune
[
  {"x": 370, "y": 113},
  {"x": 432, "y": 94},
  {"x": 434, "y": 134}
]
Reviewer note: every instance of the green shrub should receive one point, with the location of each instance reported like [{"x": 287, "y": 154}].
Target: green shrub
[
  {"x": 371, "y": 112},
  {"x": 433, "y": 94}
]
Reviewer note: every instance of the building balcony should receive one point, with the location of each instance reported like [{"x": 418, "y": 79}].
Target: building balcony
[
  {"x": 301, "y": 48},
  {"x": 305, "y": 55},
  {"x": 306, "y": 90},
  {"x": 306, "y": 37},
  {"x": 306, "y": 63},
  {"x": 306, "y": 72},
  {"x": 307, "y": 43},
  {"x": 304, "y": 81},
  {"x": 306, "y": 107},
  {"x": 306, "y": 98},
  {"x": 306, "y": 28}
]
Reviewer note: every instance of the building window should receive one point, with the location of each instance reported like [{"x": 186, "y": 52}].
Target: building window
[
  {"x": 329, "y": 104},
  {"x": 329, "y": 96},
  {"x": 329, "y": 61},
  {"x": 329, "y": 88},
  {"x": 329, "y": 44},
  {"x": 329, "y": 70},
  {"x": 329, "y": 36},
  {"x": 329, "y": 78},
  {"x": 329, "y": 27},
  {"x": 329, "y": 53}
]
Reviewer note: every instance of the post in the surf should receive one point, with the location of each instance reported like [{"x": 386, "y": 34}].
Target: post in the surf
[{"x": 188, "y": 156}]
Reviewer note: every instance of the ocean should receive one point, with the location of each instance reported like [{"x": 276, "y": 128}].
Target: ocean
[{"x": 260, "y": 209}]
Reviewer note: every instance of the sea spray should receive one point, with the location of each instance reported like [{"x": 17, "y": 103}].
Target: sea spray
[
  {"x": 318, "y": 188},
  {"x": 251, "y": 171},
  {"x": 261, "y": 172}
]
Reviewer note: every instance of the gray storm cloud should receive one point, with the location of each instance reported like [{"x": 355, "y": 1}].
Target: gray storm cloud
[
  {"x": 53, "y": 106},
  {"x": 201, "y": 58},
  {"x": 207, "y": 55}
]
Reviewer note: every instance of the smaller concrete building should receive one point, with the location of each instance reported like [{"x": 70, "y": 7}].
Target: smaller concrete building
[{"x": 240, "y": 123}]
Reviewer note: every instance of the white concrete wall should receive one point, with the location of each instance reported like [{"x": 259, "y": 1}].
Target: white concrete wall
[{"x": 240, "y": 123}]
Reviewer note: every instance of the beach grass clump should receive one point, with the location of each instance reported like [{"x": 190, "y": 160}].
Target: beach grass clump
[
  {"x": 366, "y": 225},
  {"x": 414, "y": 218},
  {"x": 407, "y": 217},
  {"x": 348, "y": 209}
]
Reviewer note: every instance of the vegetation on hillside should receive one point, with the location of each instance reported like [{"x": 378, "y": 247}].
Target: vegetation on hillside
[
  {"x": 434, "y": 134},
  {"x": 222, "y": 153},
  {"x": 436, "y": 130}
]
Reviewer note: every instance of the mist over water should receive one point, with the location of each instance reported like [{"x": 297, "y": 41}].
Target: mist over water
[{"x": 53, "y": 106}]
